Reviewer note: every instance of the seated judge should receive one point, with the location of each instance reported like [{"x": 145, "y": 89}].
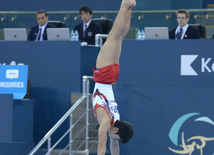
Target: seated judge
[
  {"x": 88, "y": 28},
  {"x": 183, "y": 30},
  {"x": 38, "y": 32}
]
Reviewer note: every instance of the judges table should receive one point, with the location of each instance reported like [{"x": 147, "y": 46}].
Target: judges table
[{"x": 165, "y": 88}]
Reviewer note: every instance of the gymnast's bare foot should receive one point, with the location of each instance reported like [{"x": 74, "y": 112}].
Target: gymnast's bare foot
[{"x": 130, "y": 3}]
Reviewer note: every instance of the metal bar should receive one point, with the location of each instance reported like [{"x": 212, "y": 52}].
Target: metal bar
[
  {"x": 70, "y": 135},
  {"x": 49, "y": 145},
  {"x": 101, "y": 42},
  {"x": 87, "y": 77},
  {"x": 87, "y": 109},
  {"x": 53, "y": 129},
  {"x": 100, "y": 12},
  {"x": 99, "y": 39},
  {"x": 87, "y": 115},
  {"x": 84, "y": 85},
  {"x": 84, "y": 80}
]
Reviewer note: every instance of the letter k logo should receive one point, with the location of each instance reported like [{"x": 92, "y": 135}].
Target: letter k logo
[{"x": 186, "y": 61}]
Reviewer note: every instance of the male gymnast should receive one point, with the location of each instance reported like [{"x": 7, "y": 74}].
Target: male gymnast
[{"x": 105, "y": 73}]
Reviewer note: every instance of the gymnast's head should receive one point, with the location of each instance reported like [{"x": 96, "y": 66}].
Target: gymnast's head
[{"x": 122, "y": 131}]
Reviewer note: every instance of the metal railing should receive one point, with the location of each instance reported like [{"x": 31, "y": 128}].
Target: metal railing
[
  {"x": 68, "y": 16},
  {"x": 102, "y": 12},
  {"x": 99, "y": 39},
  {"x": 69, "y": 113}
]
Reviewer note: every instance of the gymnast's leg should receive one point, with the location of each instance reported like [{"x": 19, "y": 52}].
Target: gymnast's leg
[{"x": 111, "y": 50}]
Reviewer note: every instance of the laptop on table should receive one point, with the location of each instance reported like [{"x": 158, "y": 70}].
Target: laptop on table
[
  {"x": 15, "y": 34},
  {"x": 58, "y": 34},
  {"x": 156, "y": 33}
]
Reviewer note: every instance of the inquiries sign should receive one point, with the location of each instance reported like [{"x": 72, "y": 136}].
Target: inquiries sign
[{"x": 13, "y": 80}]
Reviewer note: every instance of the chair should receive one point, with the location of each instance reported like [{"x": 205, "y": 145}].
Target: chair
[
  {"x": 58, "y": 24},
  {"x": 105, "y": 23},
  {"x": 201, "y": 28}
]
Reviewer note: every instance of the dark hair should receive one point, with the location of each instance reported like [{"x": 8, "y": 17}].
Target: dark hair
[
  {"x": 183, "y": 11},
  {"x": 85, "y": 9},
  {"x": 42, "y": 11},
  {"x": 125, "y": 131}
]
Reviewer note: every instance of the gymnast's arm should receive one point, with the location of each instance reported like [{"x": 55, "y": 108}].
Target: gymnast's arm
[
  {"x": 114, "y": 146},
  {"x": 105, "y": 125}
]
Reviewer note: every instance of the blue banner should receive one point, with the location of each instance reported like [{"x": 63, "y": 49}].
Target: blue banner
[
  {"x": 165, "y": 90},
  {"x": 13, "y": 80}
]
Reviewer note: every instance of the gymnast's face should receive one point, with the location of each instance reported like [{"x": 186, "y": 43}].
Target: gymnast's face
[{"x": 113, "y": 133}]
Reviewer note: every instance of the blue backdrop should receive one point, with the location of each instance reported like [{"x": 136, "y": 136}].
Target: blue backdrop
[
  {"x": 165, "y": 89},
  {"x": 154, "y": 96}
]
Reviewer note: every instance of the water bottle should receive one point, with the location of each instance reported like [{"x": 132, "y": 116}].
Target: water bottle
[
  {"x": 72, "y": 35},
  {"x": 139, "y": 35},
  {"x": 143, "y": 35},
  {"x": 76, "y": 36}
]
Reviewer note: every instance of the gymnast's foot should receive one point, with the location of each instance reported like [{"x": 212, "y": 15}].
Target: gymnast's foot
[{"x": 130, "y": 3}]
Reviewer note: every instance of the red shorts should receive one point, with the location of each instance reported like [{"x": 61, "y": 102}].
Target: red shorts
[{"x": 106, "y": 75}]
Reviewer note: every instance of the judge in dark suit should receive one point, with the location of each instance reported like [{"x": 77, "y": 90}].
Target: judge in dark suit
[
  {"x": 88, "y": 29},
  {"x": 38, "y": 32},
  {"x": 184, "y": 31}
]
